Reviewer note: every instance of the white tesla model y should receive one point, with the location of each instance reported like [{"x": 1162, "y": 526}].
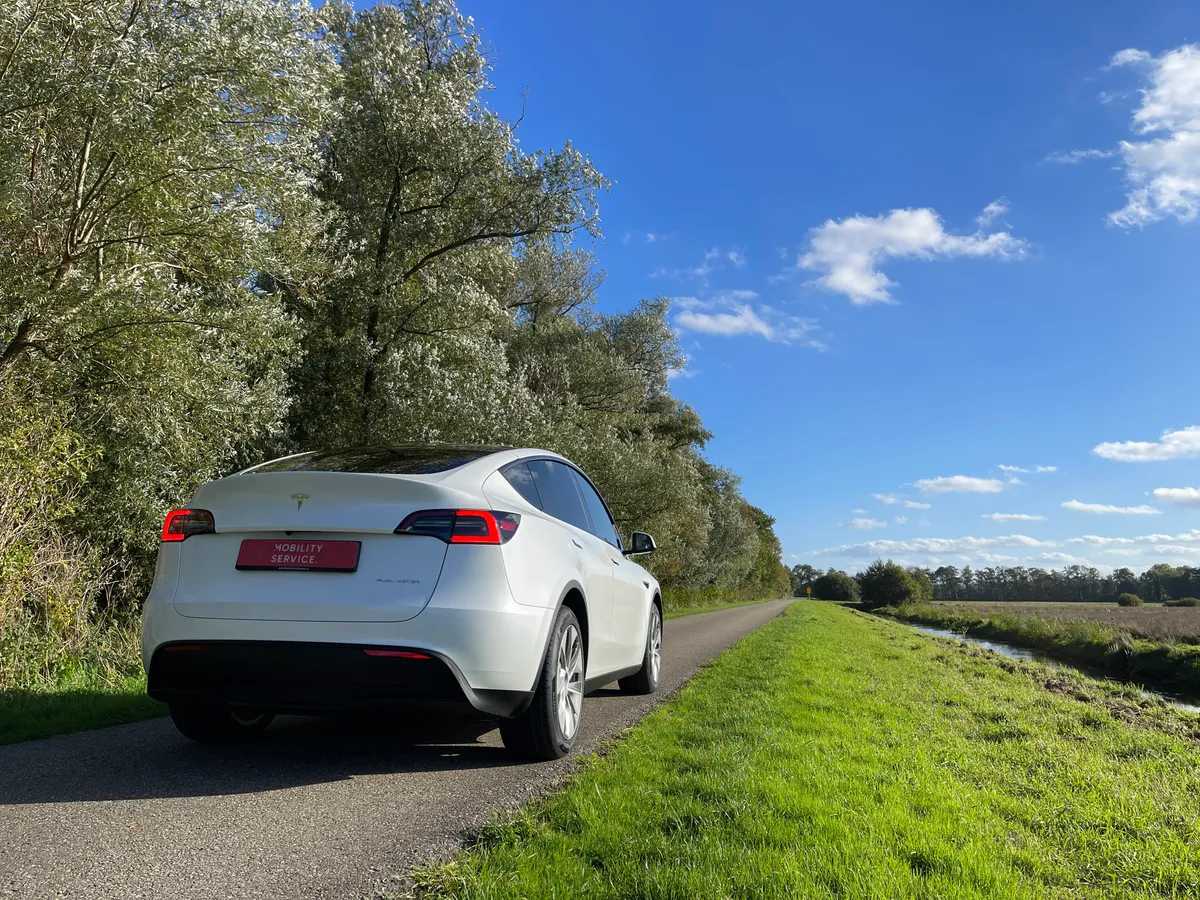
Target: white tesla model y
[{"x": 395, "y": 577}]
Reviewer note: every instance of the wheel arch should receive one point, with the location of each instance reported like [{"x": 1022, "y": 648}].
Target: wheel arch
[{"x": 573, "y": 600}]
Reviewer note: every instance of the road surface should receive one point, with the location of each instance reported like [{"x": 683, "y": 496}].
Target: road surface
[{"x": 315, "y": 808}]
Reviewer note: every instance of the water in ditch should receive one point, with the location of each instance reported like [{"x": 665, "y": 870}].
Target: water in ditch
[{"x": 1037, "y": 656}]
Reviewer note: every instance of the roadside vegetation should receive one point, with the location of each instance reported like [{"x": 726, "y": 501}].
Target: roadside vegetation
[
  {"x": 1152, "y": 645},
  {"x": 233, "y": 233},
  {"x": 835, "y": 754}
]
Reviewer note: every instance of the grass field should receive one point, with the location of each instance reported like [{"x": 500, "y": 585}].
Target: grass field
[
  {"x": 1137, "y": 644},
  {"x": 832, "y": 754},
  {"x": 1164, "y": 623}
]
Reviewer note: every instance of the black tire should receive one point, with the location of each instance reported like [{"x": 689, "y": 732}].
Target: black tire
[
  {"x": 210, "y": 723},
  {"x": 536, "y": 733},
  {"x": 645, "y": 679}
]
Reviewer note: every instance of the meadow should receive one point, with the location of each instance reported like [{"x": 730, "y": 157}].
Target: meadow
[{"x": 1171, "y": 624}]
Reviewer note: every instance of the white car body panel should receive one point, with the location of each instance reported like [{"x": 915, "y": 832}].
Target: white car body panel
[{"x": 485, "y": 610}]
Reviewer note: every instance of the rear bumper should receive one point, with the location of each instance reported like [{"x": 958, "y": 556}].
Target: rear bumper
[{"x": 314, "y": 678}]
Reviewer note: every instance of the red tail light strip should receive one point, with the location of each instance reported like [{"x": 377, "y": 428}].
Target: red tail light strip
[
  {"x": 183, "y": 523},
  {"x": 396, "y": 654}
]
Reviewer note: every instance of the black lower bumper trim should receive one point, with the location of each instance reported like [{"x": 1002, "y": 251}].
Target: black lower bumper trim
[{"x": 314, "y": 678}]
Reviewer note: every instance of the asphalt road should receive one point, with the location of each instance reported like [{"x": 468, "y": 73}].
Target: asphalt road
[{"x": 315, "y": 808}]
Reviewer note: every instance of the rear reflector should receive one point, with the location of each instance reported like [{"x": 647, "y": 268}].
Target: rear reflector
[
  {"x": 396, "y": 654},
  {"x": 462, "y": 526},
  {"x": 183, "y": 523}
]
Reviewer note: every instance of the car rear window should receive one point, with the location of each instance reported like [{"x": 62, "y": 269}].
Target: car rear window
[{"x": 402, "y": 460}]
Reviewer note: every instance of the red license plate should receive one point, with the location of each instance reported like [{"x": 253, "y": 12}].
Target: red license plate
[{"x": 325, "y": 556}]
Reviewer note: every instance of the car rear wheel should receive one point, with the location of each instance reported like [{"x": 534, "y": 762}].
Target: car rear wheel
[
  {"x": 645, "y": 680},
  {"x": 548, "y": 728},
  {"x": 210, "y": 723}
]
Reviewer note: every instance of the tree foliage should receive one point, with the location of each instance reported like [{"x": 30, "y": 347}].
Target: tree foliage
[
  {"x": 837, "y": 586},
  {"x": 886, "y": 584}
]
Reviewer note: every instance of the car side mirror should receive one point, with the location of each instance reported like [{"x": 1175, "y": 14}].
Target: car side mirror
[{"x": 640, "y": 544}]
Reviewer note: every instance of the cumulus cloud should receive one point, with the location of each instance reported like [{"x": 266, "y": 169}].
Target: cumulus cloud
[
  {"x": 1013, "y": 517},
  {"x": 916, "y": 504},
  {"x": 1012, "y": 470},
  {"x": 887, "y": 499},
  {"x": 1184, "y": 496},
  {"x": 1145, "y": 540},
  {"x": 732, "y": 315},
  {"x": 959, "y": 484},
  {"x": 1163, "y": 171},
  {"x": 1172, "y": 445},
  {"x": 867, "y": 524},
  {"x": 734, "y": 255},
  {"x": 901, "y": 520},
  {"x": 849, "y": 253},
  {"x": 1104, "y": 509},
  {"x": 1041, "y": 469}
]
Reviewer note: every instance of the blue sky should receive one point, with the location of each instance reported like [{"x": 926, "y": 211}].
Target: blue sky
[{"x": 889, "y": 267}]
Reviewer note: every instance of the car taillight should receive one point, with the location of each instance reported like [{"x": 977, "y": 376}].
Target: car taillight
[
  {"x": 462, "y": 526},
  {"x": 183, "y": 523}
]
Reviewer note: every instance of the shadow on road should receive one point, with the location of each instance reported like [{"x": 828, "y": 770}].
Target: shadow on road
[{"x": 151, "y": 760}]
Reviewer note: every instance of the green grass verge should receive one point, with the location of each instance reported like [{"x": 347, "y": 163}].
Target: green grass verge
[
  {"x": 832, "y": 754},
  {"x": 77, "y": 705},
  {"x": 1174, "y": 666},
  {"x": 47, "y": 688}
]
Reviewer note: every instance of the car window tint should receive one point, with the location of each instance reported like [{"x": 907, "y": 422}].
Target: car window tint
[
  {"x": 518, "y": 475},
  {"x": 602, "y": 526},
  {"x": 560, "y": 497}
]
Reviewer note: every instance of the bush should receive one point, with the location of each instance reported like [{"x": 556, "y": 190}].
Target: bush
[
  {"x": 1182, "y": 601},
  {"x": 836, "y": 586},
  {"x": 1129, "y": 600},
  {"x": 886, "y": 584}
]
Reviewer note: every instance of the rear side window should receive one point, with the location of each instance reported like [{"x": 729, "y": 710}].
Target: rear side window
[
  {"x": 602, "y": 525},
  {"x": 399, "y": 460},
  {"x": 555, "y": 484},
  {"x": 518, "y": 475}
]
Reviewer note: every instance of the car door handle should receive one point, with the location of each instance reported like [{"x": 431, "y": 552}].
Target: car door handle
[
  {"x": 615, "y": 562},
  {"x": 578, "y": 546}
]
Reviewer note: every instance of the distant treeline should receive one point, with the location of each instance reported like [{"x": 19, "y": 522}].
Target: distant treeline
[{"x": 1073, "y": 584}]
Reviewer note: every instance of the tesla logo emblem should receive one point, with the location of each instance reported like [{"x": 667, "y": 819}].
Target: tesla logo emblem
[{"x": 299, "y": 498}]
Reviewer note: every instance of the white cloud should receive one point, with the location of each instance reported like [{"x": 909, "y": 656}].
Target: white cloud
[
  {"x": 1013, "y": 517},
  {"x": 1073, "y": 157},
  {"x": 997, "y": 209},
  {"x": 1046, "y": 469},
  {"x": 1104, "y": 509},
  {"x": 883, "y": 549},
  {"x": 1172, "y": 445},
  {"x": 959, "y": 484},
  {"x": 1164, "y": 171},
  {"x": 1063, "y": 558},
  {"x": 901, "y": 520},
  {"x": 682, "y": 372},
  {"x": 1144, "y": 540},
  {"x": 848, "y": 253},
  {"x": 1128, "y": 57},
  {"x": 1012, "y": 470},
  {"x": 1184, "y": 496},
  {"x": 1013, "y": 479},
  {"x": 867, "y": 524},
  {"x": 727, "y": 317},
  {"x": 887, "y": 499},
  {"x": 916, "y": 504},
  {"x": 734, "y": 255},
  {"x": 859, "y": 512}
]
